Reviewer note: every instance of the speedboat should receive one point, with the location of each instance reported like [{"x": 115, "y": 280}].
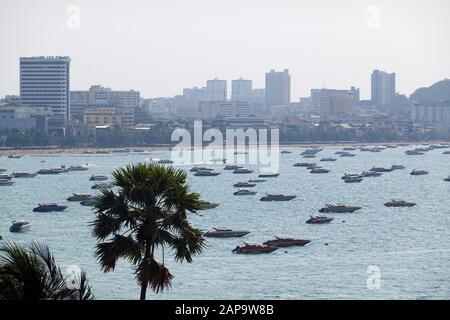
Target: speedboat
[
  {"x": 13, "y": 156},
  {"x": 240, "y": 152},
  {"x": 244, "y": 185},
  {"x": 6, "y": 182},
  {"x": 319, "y": 219},
  {"x": 397, "y": 167},
  {"x": 79, "y": 197},
  {"x": 399, "y": 203},
  {"x": 328, "y": 159},
  {"x": 254, "y": 248},
  {"x": 312, "y": 151},
  {"x": 49, "y": 207},
  {"x": 78, "y": 168},
  {"x": 371, "y": 173},
  {"x": 365, "y": 149},
  {"x": 350, "y": 175},
  {"x": 277, "y": 197},
  {"x": 447, "y": 179},
  {"x": 98, "y": 177},
  {"x": 244, "y": 192},
  {"x": 256, "y": 180},
  {"x": 268, "y": 175},
  {"x": 381, "y": 169},
  {"x": 319, "y": 170},
  {"x": 195, "y": 169},
  {"x": 309, "y": 156},
  {"x": 51, "y": 171},
  {"x": 353, "y": 179},
  {"x": 6, "y": 176},
  {"x": 204, "y": 205},
  {"x": 20, "y": 226},
  {"x": 206, "y": 173},
  {"x": 231, "y": 167},
  {"x": 100, "y": 186},
  {"x": 418, "y": 172},
  {"x": 286, "y": 152},
  {"x": 242, "y": 171},
  {"x": 283, "y": 242},
  {"x": 225, "y": 233},
  {"x": 338, "y": 208},
  {"x": 24, "y": 175},
  {"x": 349, "y": 149}
]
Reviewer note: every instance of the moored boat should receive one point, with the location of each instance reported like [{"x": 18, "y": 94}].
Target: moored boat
[
  {"x": 204, "y": 205},
  {"x": 319, "y": 219},
  {"x": 100, "y": 186},
  {"x": 397, "y": 167},
  {"x": 206, "y": 173},
  {"x": 49, "y": 207},
  {"x": 257, "y": 248},
  {"x": 339, "y": 208},
  {"x": 371, "y": 174},
  {"x": 277, "y": 197},
  {"x": 24, "y": 175},
  {"x": 231, "y": 167},
  {"x": 283, "y": 242},
  {"x": 51, "y": 171},
  {"x": 98, "y": 177},
  {"x": 244, "y": 185},
  {"x": 78, "y": 168},
  {"x": 244, "y": 192},
  {"x": 268, "y": 175},
  {"x": 218, "y": 232},
  {"x": 242, "y": 171},
  {"x": 399, "y": 203},
  {"x": 418, "y": 172},
  {"x": 195, "y": 169},
  {"x": 319, "y": 170},
  {"x": 328, "y": 159},
  {"x": 20, "y": 226},
  {"x": 380, "y": 169},
  {"x": 79, "y": 197}
]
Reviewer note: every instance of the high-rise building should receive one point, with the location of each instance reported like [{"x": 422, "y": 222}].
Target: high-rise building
[
  {"x": 241, "y": 90},
  {"x": 216, "y": 90},
  {"x": 336, "y": 104},
  {"x": 194, "y": 95},
  {"x": 45, "y": 81},
  {"x": 383, "y": 88},
  {"x": 278, "y": 88}
]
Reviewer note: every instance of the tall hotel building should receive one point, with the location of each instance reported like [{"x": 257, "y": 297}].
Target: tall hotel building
[
  {"x": 45, "y": 81},
  {"x": 278, "y": 88}
]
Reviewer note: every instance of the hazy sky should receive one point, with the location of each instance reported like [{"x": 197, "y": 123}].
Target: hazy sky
[{"x": 161, "y": 46}]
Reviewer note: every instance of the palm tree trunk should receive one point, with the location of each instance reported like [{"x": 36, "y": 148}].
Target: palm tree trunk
[{"x": 145, "y": 284}]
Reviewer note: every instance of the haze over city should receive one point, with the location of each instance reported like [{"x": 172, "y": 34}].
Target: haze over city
[{"x": 161, "y": 47}]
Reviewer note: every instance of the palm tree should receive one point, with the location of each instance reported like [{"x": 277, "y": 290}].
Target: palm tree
[
  {"x": 30, "y": 273},
  {"x": 148, "y": 213}
]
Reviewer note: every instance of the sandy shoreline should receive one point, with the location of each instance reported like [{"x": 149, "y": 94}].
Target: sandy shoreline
[{"x": 61, "y": 151}]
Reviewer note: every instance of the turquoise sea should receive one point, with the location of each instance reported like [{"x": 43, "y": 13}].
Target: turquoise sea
[{"x": 408, "y": 247}]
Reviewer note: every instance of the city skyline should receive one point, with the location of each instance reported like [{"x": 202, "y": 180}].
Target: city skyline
[{"x": 338, "y": 55}]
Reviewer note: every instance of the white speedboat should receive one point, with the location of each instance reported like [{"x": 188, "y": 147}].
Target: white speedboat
[
  {"x": 225, "y": 233},
  {"x": 79, "y": 197},
  {"x": 244, "y": 192}
]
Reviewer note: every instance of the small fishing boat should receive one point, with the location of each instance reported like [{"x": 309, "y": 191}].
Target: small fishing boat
[
  {"x": 24, "y": 175},
  {"x": 256, "y": 248},
  {"x": 319, "y": 219},
  {"x": 231, "y": 167},
  {"x": 204, "y": 205},
  {"x": 277, "y": 197},
  {"x": 338, "y": 208},
  {"x": 447, "y": 179},
  {"x": 347, "y": 154},
  {"x": 328, "y": 159},
  {"x": 244, "y": 192},
  {"x": 319, "y": 170},
  {"x": 268, "y": 175},
  {"x": 98, "y": 177},
  {"x": 13, "y": 156},
  {"x": 195, "y": 169},
  {"x": 244, "y": 185},
  {"x": 371, "y": 174},
  {"x": 165, "y": 161},
  {"x": 78, "y": 168},
  {"x": 49, "y": 207},
  {"x": 20, "y": 226},
  {"x": 242, "y": 171},
  {"x": 284, "y": 242},
  {"x": 286, "y": 152},
  {"x": 51, "y": 171},
  {"x": 418, "y": 172},
  {"x": 399, "y": 203},
  {"x": 304, "y": 164},
  {"x": 218, "y": 232},
  {"x": 99, "y": 186},
  {"x": 79, "y": 197},
  {"x": 353, "y": 179},
  {"x": 256, "y": 180},
  {"x": 397, "y": 167},
  {"x": 380, "y": 169},
  {"x": 206, "y": 173}
]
